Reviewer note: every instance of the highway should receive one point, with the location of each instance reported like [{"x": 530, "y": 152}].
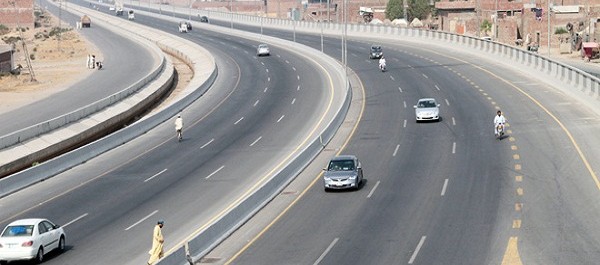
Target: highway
[
  {"x": 133, "y": 63},
  {"x": 435, "y": 193},
  {"x": 448, "y": 192},
  {"x": 256, "y": 114}
]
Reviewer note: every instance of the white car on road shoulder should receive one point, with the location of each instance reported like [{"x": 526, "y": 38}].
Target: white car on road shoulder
[{"x": 30, "y": 239}]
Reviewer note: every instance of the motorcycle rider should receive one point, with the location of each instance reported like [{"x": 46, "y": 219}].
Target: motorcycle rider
[
  {"x": 179, "y": 127},
  {"x": 382, "y": 63},
  {"x": 498, "y": 120}
]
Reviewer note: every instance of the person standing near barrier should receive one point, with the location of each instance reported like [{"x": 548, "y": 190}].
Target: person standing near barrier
[{"x": 156, "y": 252}]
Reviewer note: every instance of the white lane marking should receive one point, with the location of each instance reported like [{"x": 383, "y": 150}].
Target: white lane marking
[
  {"x": 396, "y": 150},
  {"x": 246, "y": 52},
  {"x": 262, "y": 63},
  {"x": 238, "y": 120},
  {"x": 293, "y": 100},
  {"x": 214, "y": 172},
  {"x": 278, "y": 56},
  {"x": 155, "y": 175},
  {"x": 409, "y": 66},
  {"x": 437, "y": 87},
  {"x": 404, "y": 124},
  {"x": 447, "y": 102},
  {"x": 286, "y": 61},
  {"x": 414, "y": 255},
  {"x": 298, "y": 77},
  {"x": 267, "y": 69},
  {"x": 444, "y": 187},
  {"x": 256, "y": 103},
  {"x": 206, "y": 144},
  {"x": 298, "y": 87},
  {"x": 269, "y": 79},
  {"x": 265, "y": 91},
  {"x": 393, "y": 79},
  {"x": 373, "y": 190},
  {"x": 280, "y": 118},
  {"x": 453, "y": 121},
  {"x": 454, "y": 148},
  {"x": 326, "y": 251},
  {"x": 75, "y": 220},
  {"x": 256, "y": 141},
  {"x": 425, "y": 76},
  {"x": 141, "y": 220},
  {"x": 294, "y": 68},
  {"x": 399, "y": 88},
  {"x": 404, "y": 104}
]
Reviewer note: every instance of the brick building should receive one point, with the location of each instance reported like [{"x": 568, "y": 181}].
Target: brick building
[
  {"x": 17, "y": 11},
  {"x": 513, "y": 19}
]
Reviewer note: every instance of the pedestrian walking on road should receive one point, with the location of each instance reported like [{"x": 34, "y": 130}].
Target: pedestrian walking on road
[
  {"x": 93, "y": 61},
  {"x": 89, "y": 61},
  {"x": 156, "y": 252}
]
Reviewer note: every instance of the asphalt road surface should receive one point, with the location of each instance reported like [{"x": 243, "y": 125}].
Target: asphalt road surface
[{"x": 125, "y": 62}]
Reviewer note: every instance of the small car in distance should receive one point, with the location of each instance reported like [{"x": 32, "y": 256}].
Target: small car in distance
[
  {"x": 185, "y": 26},
  {"x": 263, "y": 49},
  {"x": 343, "y": 172},
  {"x": 427, "y": 109},
  {"x": 30, "y": 239},
  {"x": 204, "y": 19},
  {"x": 376, "y": 52}
]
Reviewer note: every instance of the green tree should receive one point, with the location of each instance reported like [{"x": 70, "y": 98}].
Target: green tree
[
  {"x": 486, "y": 26},
  {"x": 394, "y": 9},
  {"x": 418, "y": 9}
]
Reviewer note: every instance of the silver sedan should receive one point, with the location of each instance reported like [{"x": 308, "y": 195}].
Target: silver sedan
[
  {"x": 427, "y": 109},
  {"x": 343, "y": 172}
]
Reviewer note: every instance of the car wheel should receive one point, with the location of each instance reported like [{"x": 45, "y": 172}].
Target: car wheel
[
  {"x": 39, "y": 258},
  {"x": 61, "y": 244}
]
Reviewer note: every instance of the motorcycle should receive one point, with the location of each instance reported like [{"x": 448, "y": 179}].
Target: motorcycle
[{"x": 500, "y": 130}]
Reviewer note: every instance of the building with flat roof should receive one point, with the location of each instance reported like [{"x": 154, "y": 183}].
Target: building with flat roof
[{"x": 13, "y": 12}]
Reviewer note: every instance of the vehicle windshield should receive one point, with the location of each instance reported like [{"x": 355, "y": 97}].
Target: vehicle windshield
[
  {"x": 262, "y": 46},
  {"x": 427, "y": 104},
  {"x": 18, "y": 230},
  {"x": 341, "y": 165},
  {"x": 376, "y": 49}
]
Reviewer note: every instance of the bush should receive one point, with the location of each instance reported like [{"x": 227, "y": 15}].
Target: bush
[
  {"x": 32, "y": 56},
  {"x": 560, "y": 31},
  {"x": 4, "y": 29}
]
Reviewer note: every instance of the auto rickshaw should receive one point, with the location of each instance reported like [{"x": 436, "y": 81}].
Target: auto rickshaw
[{"x": 590, "y": 50}]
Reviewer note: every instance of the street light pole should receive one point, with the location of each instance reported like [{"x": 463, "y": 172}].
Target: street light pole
[{"x": 549, "y": 32}]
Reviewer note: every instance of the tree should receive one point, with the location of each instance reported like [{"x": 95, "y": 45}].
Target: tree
[
  {"x": 485, "y": 26},
  {"x": 394, "y": 9},
  {"x": 418, "y": 9}
]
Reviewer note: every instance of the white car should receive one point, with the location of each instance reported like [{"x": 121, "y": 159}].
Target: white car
[
  {"x": 30, "y": 239},
  {"x": 427, "y": 109},
  {"x": 111, "y": 8},
  {"x": 263, "y": 49}
]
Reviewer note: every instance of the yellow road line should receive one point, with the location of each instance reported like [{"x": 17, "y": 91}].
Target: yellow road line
[
  {"x": 511, "y": 255},
  {"x": 312, "y": 183}
]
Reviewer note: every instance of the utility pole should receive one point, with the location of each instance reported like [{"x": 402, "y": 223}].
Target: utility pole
[{"x": 27, "y": 59}]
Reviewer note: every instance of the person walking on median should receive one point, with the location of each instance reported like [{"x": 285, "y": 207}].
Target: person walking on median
[{"x": 156, "y": 252}]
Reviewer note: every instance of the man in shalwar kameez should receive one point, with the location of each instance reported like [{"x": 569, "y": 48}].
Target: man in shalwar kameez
[{"x": 156, "y": 252}]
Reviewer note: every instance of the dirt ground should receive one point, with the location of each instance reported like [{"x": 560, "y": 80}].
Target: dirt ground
[{"x": 56, "y": 64}]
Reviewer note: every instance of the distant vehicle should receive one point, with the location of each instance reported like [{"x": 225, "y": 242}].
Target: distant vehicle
[
  {"x": 119, "y": 12},
  {"x": 130, "y": 15},
  {"x": 112, "y": 8},
  {"x": 86, "y": 22},
  {"x": 427, "y": 109},
  {"x": 204, "y": 19},
  {"x": 30, "y": 239},
  {"x": 486, "y": 38},
  {"x": 183, "y": 28},
  {"x": 343, "y": 172},
  {"x": 263, "y": 49},
  {"x": 376, "y": 52}
]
